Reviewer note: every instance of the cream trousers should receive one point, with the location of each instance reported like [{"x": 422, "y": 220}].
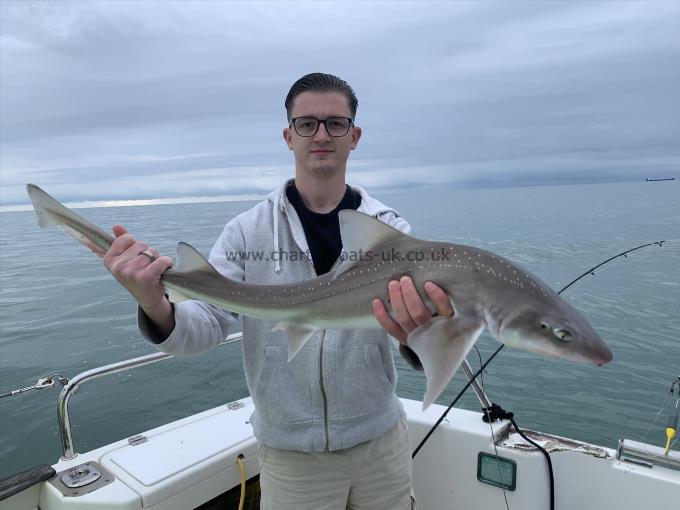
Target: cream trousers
[{"x": 375, "y": 475}]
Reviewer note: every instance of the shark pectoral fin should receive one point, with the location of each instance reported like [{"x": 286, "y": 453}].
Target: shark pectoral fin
[
  {"x": 441, "y": 345},
  {"x": 298, "y": 334}
]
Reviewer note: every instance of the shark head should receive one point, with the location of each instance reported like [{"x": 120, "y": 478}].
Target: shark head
[{"x": 556, "y": 329}]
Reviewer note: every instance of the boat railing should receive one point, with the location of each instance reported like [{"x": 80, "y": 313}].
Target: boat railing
[
  {"x": 75, "y": 382},
  {"x": 89, "y": 375}
]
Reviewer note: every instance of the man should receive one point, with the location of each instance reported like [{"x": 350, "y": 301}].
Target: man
[{"x": 332, "y": 432}]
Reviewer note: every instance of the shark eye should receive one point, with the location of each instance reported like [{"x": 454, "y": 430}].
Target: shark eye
[
  {"x": 544, "y": 326},
  {"x": 562, "y": 334}
]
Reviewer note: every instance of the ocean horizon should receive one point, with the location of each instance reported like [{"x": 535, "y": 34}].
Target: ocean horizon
[{"x": 246, "y": 197}]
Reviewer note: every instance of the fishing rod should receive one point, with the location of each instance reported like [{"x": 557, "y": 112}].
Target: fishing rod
[
  {"x": 43, "y": 383},
  {"x": 591, "y": 271},
  {"x": 672, "y": 427},
  {"x": 495, "y": 412},
  {"x": 673, "y": 416}
]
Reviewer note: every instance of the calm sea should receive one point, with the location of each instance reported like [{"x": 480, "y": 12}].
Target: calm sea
[{"x": 61, "y": 312}]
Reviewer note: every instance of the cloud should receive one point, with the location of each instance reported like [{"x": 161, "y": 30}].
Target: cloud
[{"x": 163, "y": 99}]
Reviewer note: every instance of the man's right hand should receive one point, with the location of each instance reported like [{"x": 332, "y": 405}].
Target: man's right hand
[{"x": 141, "y": 276}]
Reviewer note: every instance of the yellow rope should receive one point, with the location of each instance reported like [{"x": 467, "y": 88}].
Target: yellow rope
[{"x": 239, "y": 461}]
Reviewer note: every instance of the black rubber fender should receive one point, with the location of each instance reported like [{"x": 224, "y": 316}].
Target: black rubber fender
[{"x": 18, "y": 482}]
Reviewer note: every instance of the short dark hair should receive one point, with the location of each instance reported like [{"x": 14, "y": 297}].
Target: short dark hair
[{"x": 321, "y": 82}]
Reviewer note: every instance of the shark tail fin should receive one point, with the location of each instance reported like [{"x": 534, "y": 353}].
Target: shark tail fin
[
  {"x": 51, "y": 212},
  {"x": 41, "y": 201}
]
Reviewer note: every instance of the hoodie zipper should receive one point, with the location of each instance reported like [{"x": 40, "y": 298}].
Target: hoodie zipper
[{"x": 324, "y": 399}]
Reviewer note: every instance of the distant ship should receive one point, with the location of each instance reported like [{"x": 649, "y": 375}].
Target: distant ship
[{"x": 663, "y": 179}]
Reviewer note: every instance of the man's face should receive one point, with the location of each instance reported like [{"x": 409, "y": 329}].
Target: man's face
[{"x": 321, "y": 154}]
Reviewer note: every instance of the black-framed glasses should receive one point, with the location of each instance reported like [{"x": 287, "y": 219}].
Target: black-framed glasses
[{"x": 309, "y": 126}]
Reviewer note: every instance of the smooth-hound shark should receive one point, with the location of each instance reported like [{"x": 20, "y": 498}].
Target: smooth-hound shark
[{"x": 486, "y": 291}]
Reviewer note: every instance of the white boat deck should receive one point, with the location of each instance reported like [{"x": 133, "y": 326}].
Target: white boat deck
[{"x": 188, "y": 462}]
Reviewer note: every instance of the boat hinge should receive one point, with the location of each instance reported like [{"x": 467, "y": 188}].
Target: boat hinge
[
  {"x": 232, "y": 406},
  {"x": 138, "y": 439}
]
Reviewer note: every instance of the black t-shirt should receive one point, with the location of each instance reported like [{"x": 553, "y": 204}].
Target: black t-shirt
[{"x": 322, "y": 230}]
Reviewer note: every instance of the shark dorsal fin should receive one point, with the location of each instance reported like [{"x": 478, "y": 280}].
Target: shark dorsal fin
[
  {"x": 189, "y": 260},
  {"x": 361, "y": 233}
]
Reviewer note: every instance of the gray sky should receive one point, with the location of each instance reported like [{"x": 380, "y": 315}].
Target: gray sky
[{"x": 131, "y": 100}]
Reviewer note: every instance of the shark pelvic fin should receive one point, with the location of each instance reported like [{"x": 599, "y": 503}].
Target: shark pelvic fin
[
  {"x": 175, "y": 296},
  {"x": 441, "y": 345},
  {"x": 298, "y": 334},
  {"x": 189, "y": 259},
  {"x": 361, "y": 233}
]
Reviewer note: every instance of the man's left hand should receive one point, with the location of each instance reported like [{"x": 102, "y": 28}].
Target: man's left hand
[{"x": 408, "y": 308}]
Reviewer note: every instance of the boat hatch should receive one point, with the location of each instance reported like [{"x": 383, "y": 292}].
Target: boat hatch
[
  {"x": 172, "y": 460},
  {"x": 175, "y": 452}
]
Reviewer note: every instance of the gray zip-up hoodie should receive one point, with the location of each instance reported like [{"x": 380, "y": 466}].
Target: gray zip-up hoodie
[{"x": 338, "y": 391}]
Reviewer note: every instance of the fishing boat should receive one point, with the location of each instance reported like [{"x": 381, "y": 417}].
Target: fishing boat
[{"x": 209, "y": 460}]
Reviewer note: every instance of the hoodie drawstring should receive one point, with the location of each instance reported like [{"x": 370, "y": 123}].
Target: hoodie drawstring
[{"x": 277, "y": 264}]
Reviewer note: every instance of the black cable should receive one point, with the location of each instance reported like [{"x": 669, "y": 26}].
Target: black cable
[
  {"x": 496, "y": 412},
  {"x": 547, "y": 458}
]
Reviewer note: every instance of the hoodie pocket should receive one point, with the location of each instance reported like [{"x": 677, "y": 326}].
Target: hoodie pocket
[
  {"x": 283, "y": 391},
  {"x": 363, "y": 383},
  {"x": 376, "y": 366},
  {"x": 271, "y": 354}
]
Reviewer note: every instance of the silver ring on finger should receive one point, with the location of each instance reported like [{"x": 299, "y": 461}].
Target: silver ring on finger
[{"x": 147, "y": 253}]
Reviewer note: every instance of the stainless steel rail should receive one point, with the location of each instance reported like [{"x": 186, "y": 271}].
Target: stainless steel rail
[
  {"x": 75, "y": 382},
  {"x": 479, "y": 391}
]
